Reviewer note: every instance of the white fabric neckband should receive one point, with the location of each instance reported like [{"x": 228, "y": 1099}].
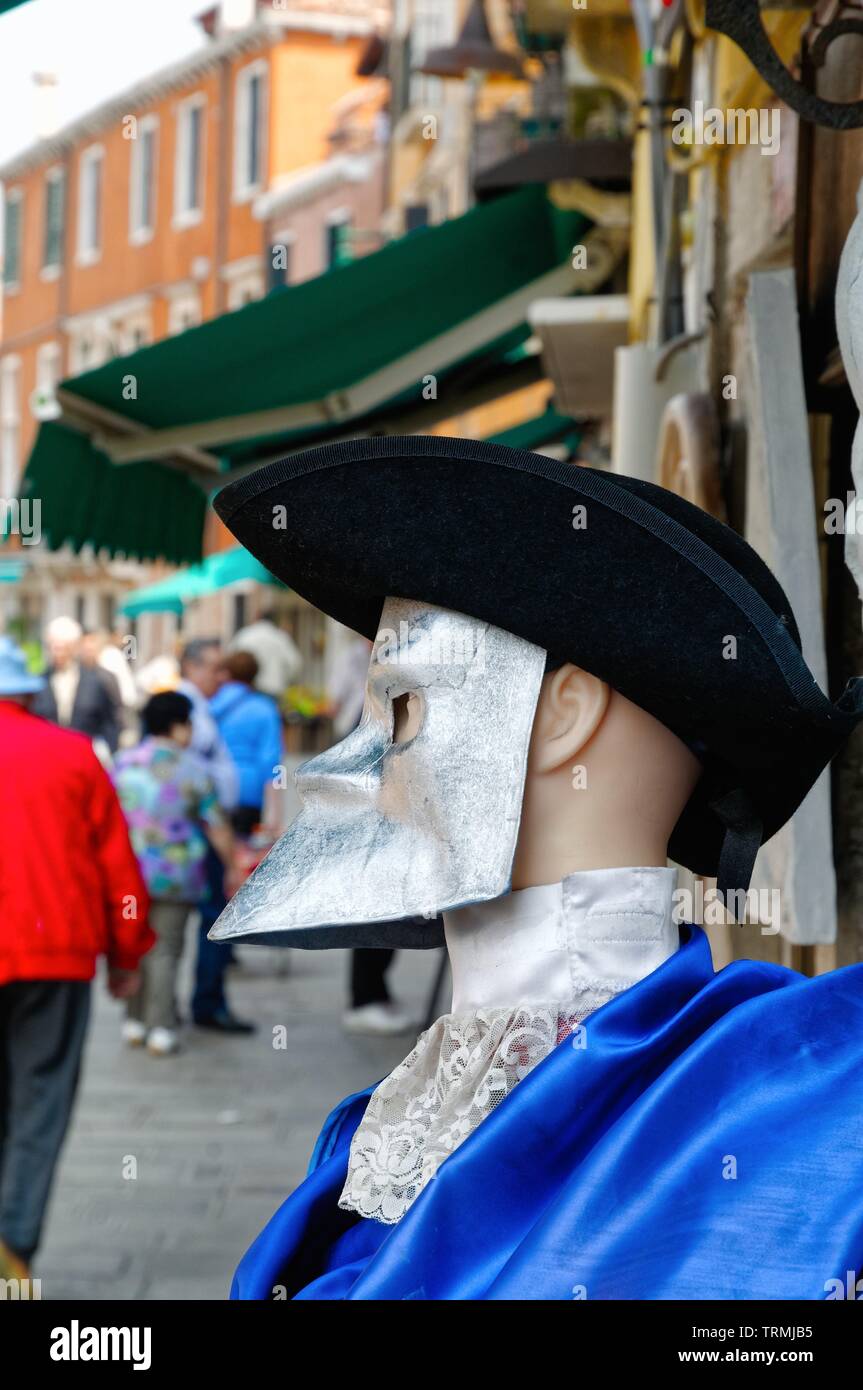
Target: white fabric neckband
[{"x": 528, "y": 968}]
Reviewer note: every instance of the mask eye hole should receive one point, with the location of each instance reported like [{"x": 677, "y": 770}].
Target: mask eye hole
[{"x": 407, "y": 716}]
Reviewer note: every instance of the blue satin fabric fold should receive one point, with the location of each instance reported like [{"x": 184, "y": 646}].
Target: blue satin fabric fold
[{"x": 707, "y": 1142}]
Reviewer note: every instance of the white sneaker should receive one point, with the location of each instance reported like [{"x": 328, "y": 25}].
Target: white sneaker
[
  {"x": 381, "y": 1020},
  {"x": 133, "y": 1032},
  {"x": 161, "y": 1042}
]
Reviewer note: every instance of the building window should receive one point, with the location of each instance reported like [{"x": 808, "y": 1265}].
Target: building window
[
  {"x": 55, "y": 220},
  {"x": 81, "y": 353},
  {"x": 337, "y": 246},
  {"x": 13, "y": 217},
  {"x": 249, "y": 129},
  {"x": 244, "y": 289},
  {"x": 189, "y": 161},
  {"x": 142, "y": 185},
  {"x": 49, "y": 366},
  {"x": 90, "y": 205},
  {"x": 133, "y": 335},
  {"x": 10, "y": 425},
  {"x": 184, "y": 311}
]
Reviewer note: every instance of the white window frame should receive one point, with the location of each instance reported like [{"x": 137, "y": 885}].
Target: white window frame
[
  {"x": 81, "y": 361},
  {"x": 49, "y": 358},
  {"x": 89, "y": 252},
  {"x": 13, "y": 195},
  {"x": 56, "y": 174},
  {"x": 245, "y": 282},
  {"x": 189, "y": 216},
  {"x": 129, "y": 326},
  {"x": 10, "y": 424},
  {"x": 244, "y": 187},
  {"x": 139, "y": 232},
  {"x": 49, "y": 373},
  {"x": 181, "y": 305}
]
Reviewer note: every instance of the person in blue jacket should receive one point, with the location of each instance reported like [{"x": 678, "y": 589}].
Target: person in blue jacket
[{"x": 251, "y": 727}]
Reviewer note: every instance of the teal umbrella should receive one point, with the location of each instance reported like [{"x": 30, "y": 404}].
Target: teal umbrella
[{"x": 171, "y": 595}]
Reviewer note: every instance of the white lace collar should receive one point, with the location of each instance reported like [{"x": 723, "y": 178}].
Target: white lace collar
[{"x": 527, "y": 969}]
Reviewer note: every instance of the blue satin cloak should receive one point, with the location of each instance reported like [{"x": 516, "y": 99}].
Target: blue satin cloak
[{"x": 706, "y": 1142}]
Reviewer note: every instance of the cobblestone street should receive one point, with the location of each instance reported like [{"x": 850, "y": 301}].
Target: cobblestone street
[{"x": 219, "y": 1134}]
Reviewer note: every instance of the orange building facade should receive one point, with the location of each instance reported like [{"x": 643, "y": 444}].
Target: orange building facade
[{"x": 142, "y": 218}]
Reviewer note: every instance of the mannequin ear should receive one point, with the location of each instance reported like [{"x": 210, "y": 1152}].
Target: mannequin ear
[{"x": 572, "y": 705}]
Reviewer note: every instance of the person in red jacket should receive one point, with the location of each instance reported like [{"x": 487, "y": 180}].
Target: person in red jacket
[{"x": 70, "y": 891}]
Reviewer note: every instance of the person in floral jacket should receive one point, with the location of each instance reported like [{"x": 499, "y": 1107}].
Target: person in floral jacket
[{"x": 173, "y": 814}]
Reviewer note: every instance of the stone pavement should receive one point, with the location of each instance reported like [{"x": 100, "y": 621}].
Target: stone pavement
[{"x": 173, "y": 1165}]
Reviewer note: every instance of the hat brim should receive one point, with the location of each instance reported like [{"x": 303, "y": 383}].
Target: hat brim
[
  {"x": 26, "y": 685},
  {"x": 629, "y": 581}
]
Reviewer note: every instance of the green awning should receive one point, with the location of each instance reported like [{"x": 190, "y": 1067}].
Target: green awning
[
  {"x": 409, "y": 328},
  {"x": 547, "y": 428},
  {"x": 171, "y": 595},
  {"x": 144, "y": 509}
]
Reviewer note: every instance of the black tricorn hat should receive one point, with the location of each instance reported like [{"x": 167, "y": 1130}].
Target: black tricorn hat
[{"x": 625, "y": 579}]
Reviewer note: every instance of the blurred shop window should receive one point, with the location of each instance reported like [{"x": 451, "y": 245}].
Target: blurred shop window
[
  {"x": 54, "y": 229},
  {"x": 142, "y": 183},
  {"x": 189, "y": 161},
  {"x": 13, "y": 219},
  {"x": 249, "y": 119},
  {"x": 90, "y": 204},
  {"x": 10, "y": 424}
]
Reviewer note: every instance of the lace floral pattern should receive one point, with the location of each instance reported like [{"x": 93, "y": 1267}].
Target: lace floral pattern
[{"x": 458, "y": 1073}]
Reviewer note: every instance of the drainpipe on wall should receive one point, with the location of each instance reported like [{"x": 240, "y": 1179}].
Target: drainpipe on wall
[{"x": 223, "y": 184}]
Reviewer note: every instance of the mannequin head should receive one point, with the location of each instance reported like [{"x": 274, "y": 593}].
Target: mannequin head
[
  {"x": 605, "y": 785},
  {"x": 470, "y": 771}
]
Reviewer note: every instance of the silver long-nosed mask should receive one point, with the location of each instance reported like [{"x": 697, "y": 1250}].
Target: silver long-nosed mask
[{"x": 418, "y": 809}]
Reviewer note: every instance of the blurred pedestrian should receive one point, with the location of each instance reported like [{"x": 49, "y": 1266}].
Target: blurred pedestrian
[
  {"x": 201, "y": 675},
  {"x": 108, "y": 652},
  {"x": 70, "y": 891},
  {"x": 170, "y": 804},
  {"x": 277, "y": 655},
  {"x": 201, "y": 672},
  {"x": 160, "y": 673},
  {"x": 89, "y": 656},
  {"x": 251, "y": 727},
  {"x": 74, "y": 695},
  {"x": 372, "y": 1009}
]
